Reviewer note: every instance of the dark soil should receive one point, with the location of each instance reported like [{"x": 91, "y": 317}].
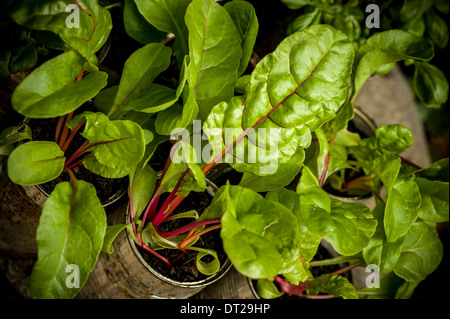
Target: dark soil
[
  {"x": 184, "y": 269},
  {"x": 44, "y": 130}
]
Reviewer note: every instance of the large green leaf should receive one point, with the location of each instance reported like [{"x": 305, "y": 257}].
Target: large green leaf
[
  {"x": 92, "y": 31},
  {"x": 421, "y": 253},
  {"x": 215, "y": 53},
  {"x": 35, "y": 163},
  {"x": 388, "y": 47},
  {"x": 69, "y": 237},
  {"x": 51, "y": 89},
  {"x": 292, "y": 91},
  {"x": 259, "y": 236},
  {"x": 135, "y": 87},
  {"x": 116, "y": 148},
  {"x": 346, "y": 226}
]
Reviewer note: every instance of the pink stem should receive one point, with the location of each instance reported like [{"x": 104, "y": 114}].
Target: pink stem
[{"x": 189, "y": 227}]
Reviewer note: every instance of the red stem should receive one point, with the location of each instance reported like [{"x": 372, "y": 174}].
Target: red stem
[
  {"x": 189, "y": 239},
  {"x": 71, "y": 136},
  {"x": 189, "y": 227},
  {"x": 154, "y": 253}
]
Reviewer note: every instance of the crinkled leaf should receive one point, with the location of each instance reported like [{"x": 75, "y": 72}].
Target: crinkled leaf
[
  {"x": 388, "y": 139},
  {"x": 51, "y": 89},
  {"x": 346, "y": 226},
  {"x": 421, "y": 253},
  {"x": 259, "y": 236},
  {"x": 70, "y": 233},
  {"x": 215, "y": 54},
  {"x": 388, "y": 47},
  {"x": 35, "y": 162},
  {"x": 116, "y": 148},
  {"x": 287, "y": 97}
]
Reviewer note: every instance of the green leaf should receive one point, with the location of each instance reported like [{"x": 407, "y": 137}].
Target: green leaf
[
  {"x": 435, "y": 198},
  {"x": 206, "y": 268},
  {"x": 24, "y": 56},
  {"x": 388, "y": 139},
  {"x": 332, "y": 284},
  {"x": 35, "y": 163},
  {"x": 244, "y": 16},
  {"x": 282, "y": 177},
  {"x": 140, "y": 69},
  {"x": 70, "y": 233},
  {"x": 304, "y": 20},
  {"x": 437, "y": 171},
  {"x": 110, "y": 235},
  {"x": 309, "y": 242},
  {"x": 90, "y": 35},
  {"x": 430, "y": 84},
  {"x": 116, "y": 148},
  {"x": 259, "y": 236},
  {"x": 287, "y": 98},
  {"x": 437, "y": 28},
  {"x": 379, "y": 251},
  {"x": 137, "y": 27},
  {"x": 13, "y": 134},
  {"x": 51, "y": 89},
  {"x": 421, "y": 253},
  {"x": 266, "y": 289},
  {"x": 215, "y": 54},
  {"x": 91, "y": 119},
  {"x": 168, "y": 16},
  {"x": 388, "y": 47},
  {"x": 184, "y": 157},
  {"x": 170, "y": 121},
  {"x": 346, "y": 226},
  {"x": 402, "y": 208},
  {"x": 142, "y": 185}
]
